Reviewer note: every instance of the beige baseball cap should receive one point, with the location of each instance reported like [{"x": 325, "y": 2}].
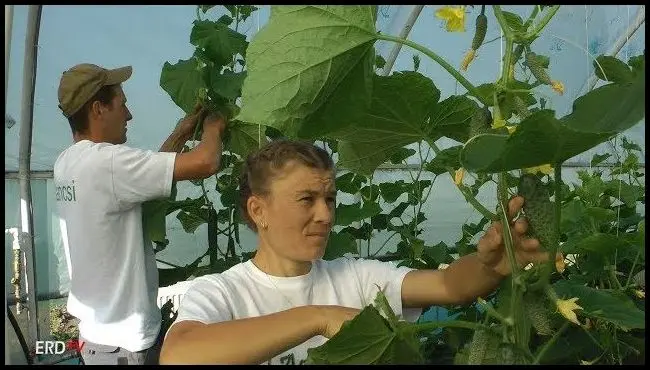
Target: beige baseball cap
[{"x": 81, "y": 82}]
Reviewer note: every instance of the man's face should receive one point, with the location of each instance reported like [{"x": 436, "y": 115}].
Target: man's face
[{"x": 115, "y": 117}]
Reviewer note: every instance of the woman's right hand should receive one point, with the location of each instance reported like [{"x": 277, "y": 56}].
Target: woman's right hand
[{"x": 333, "y": 317}]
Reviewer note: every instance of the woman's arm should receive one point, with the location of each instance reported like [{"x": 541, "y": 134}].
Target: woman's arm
[
  {"x": 251, "y": 340},
  {"x": 462, "y": 282}
]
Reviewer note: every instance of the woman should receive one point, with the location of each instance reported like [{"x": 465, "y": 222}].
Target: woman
[{"x": 286, "y": 299}]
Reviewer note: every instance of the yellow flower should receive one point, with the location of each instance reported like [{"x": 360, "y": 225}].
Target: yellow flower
[
  {"x": 498, "y": 123},
  {"x": 545, "y": 169},
  {"x": 639, "y": 293},
  {"x": 566, "y": 308},
  {"x": 559, "y": 263},
  {"x": 511, "y": 129},
  {"x": 558, "y": 86},
  {"x": 458, "y": 177},
  {"x": 455, "y": 17},
  {"x": 585, "y": 362},
  {"x": 468, "y": 59}
]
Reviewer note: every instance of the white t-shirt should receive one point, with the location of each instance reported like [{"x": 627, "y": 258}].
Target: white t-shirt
[
  {"x": 113, "y": 273},
  {"x": 245, "y": 291}
]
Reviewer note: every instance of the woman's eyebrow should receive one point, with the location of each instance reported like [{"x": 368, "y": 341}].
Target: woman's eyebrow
[{"x": 331, "y": 193}]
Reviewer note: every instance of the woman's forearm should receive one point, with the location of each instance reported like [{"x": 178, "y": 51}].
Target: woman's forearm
[{"x": 245, "y": 341}]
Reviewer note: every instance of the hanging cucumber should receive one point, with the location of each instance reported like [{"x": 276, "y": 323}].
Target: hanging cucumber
[
  {"x": 477, "y": 41},
  {"x": 481, "y": 29},
  {"x": 540, "y": 213},
  {"x": 480, "y": 122}
]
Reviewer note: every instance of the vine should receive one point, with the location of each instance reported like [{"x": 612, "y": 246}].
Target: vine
[{"x": 503, "y": 135}]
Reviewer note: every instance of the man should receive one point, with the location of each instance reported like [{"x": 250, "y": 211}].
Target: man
[{"x": 100, "y": 186}]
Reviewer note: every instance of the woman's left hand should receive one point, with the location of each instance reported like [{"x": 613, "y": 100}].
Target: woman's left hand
[{"x": 491, "y": 247}]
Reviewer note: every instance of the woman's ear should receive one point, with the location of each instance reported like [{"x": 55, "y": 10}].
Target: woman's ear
[{"x": 255, "y": 206}]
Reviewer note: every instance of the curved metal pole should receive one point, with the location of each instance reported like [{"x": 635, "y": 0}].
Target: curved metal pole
[
  {"x": 24, "y": 157},
  {"x": 622, "y": 40},
  {"x": 415, "y": 13},
  {"x": 9, "y": 18}
]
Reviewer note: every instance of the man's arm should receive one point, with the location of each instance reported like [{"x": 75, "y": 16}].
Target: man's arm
[
  {"x": 174, "y": 142},
  {"x": 205, "y": 159}
]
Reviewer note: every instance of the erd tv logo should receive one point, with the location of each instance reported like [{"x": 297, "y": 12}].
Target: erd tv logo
[{"x": 57, "y": 347}]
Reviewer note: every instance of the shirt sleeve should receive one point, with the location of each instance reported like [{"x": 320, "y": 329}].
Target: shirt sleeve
[
  {"x": 141, "y": 175},
  {"x": 374, "y": 275},
  {"x": 205, "y": 302}
]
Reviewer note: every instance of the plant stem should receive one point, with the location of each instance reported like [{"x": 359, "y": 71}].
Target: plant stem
[
  {"x": 636, "y": 259},
  {"x": 502, "y": 196},
  {"x": 611, "y": 268},
  {"x": 557, "y": 182},
  {"x": 453, "y": 71},
  {"x": 385, "y": 243},
  {"x": 508, "y": 35},
  {"x": 198, "y": 12},
  {"x": 540, "y": 26},
  {"x": 532, "y": 16},
  {"x": 492, "y": 312},
  {"x": 468, "y": 196},
  {"x": 449, "y": 324},
  {"x": 549, "y": 343},
  {"x": 507, "y": 32}
]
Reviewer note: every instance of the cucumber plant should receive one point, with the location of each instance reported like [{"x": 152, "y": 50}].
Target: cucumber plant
[{"x": 292, "y": 81}]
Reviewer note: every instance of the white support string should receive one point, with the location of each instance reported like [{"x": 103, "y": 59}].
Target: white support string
[
  {"x": 501, "y": 59},
  {"x": 587, "y": 48},
  {"x": 627, "y": 48}
]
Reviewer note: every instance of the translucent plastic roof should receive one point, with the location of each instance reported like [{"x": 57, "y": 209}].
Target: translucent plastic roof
[{"x": 148, "y": 36}]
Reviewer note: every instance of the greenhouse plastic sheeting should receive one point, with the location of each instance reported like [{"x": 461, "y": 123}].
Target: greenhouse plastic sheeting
[{"x": 148, "y": 36}]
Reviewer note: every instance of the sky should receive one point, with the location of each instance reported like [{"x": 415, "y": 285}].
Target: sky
[{"x": 145, "y": 37}]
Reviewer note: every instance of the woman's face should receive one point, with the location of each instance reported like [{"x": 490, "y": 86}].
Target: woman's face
[{"x": 299, "y": 212}]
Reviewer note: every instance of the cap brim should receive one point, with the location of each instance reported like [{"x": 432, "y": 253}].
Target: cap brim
[{"x": 118, "y": 75}]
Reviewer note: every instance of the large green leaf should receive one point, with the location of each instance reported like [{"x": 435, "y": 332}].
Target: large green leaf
[
  {"x": 154, "y": 213},
  {"x": 369, "y": 339},
  {"x": 219, "y": 41},
  {"x": 542, "y": 139},
  {"x": 298, "y": 60},
  {"x": 228, "y": 85},
  {"x": 450, "y": 118},
  {"x": 397, "y": 117},
  {"x": 610, "y": 109},
  {"x": 350, "y": 183},
  {"x": 446, "y": 159},
  {"x": 602, "y": 244},
  {"x": 614, "y": 70},
  {"x": 349, "y": 213},
  {"x": 346, "y": 105},
  {"x": 339, "y": 244},
  {"x": 243, "y": 138},
  {"x": 191, "y": 220},
  {"x": 390, "y": 191},
  {"x": 182, "y": 82},
  {"x": 606, "y": 304}
]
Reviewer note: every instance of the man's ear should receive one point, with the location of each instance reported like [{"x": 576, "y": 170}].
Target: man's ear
[{"x": 96, "y": 109}]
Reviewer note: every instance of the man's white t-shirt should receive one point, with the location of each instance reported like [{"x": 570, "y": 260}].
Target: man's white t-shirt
[
  {"x": 245, "y": 291},
  {"x": 113, "y": 273}
]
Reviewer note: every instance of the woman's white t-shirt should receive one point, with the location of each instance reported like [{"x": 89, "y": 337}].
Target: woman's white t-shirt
[{"x": 245, "y": 291}]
